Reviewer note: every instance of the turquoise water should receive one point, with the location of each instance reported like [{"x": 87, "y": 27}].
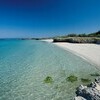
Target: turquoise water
[{"x": 24, "y": 64}]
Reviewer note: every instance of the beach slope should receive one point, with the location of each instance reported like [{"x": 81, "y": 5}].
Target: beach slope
[{"x": 90, "y": 52}]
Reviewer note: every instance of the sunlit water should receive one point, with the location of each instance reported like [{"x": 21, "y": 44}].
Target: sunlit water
[{"x": 24, "y": 64}]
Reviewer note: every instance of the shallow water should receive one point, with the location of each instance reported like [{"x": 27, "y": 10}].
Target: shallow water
[{"x": 24, "y": 64}]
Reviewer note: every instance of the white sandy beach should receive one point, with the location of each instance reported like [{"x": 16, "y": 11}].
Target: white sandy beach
[
  {"x": 90, "y": 52},
  {"x": 47, "y": 40}
]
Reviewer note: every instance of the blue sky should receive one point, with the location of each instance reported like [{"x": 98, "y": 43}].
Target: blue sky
[{"x": 44, "y": 18}]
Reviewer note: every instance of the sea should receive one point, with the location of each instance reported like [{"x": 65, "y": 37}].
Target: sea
[{"x": 25, "y": 65}]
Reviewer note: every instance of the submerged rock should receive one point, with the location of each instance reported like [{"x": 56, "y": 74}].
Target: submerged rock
[
  {"x": 95, "y": 74},
  {"x": 90, "y": 92},
  {"x": 48, "y": 79},
  {"x": 85, "y": 80},
  {"x": 72, "y": 78}
]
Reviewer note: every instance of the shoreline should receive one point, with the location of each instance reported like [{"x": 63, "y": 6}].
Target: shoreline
[
  {"x": 47, "y": 40},
  {"x": 88, "y": 52}
]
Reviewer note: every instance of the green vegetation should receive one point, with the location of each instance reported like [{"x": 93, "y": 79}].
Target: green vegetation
[
  {"x": 95, "y": 74},
  {"x": 85, "y": 80},
  {"x": 48, "y": 79},
  {"x": 79, "y": 38},
  {"x": 72, "y": 78},
  {"x": 96, "y": 34}
]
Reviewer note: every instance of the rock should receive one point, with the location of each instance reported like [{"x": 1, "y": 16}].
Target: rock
[
  {"x": 97, "y": 80},
  {"x": 93, "y": 85},
  {"x": 79, "y": 98},
  {"x": 90, "y": 92},
  {"x": 98, "y": 41},
  {"x": 80, "y": 90},
  {"x": 97, "y": 86}
]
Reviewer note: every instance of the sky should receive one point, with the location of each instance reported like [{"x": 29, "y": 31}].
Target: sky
[{"x": 47, "y": 18}]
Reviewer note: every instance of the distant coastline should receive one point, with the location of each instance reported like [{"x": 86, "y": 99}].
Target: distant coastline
[
  {"x": 19, "y": 38},
  {"x": 71, "y": 38}
]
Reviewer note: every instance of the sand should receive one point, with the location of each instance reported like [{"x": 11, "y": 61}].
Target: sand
[
  {"x": 90, "y": 52},
  {"x": 47, "y": 40}
]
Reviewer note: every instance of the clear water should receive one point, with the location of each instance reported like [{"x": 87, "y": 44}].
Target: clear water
[{"x": 24, "y": 64}]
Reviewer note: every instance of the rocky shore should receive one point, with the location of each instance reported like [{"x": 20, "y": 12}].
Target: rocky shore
[
  {"x": 94, "y": 40},
  {"x": 89, "y": 92}
]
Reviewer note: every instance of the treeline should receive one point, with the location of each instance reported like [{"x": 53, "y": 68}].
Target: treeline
[{"x": 96, "y": 34}]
